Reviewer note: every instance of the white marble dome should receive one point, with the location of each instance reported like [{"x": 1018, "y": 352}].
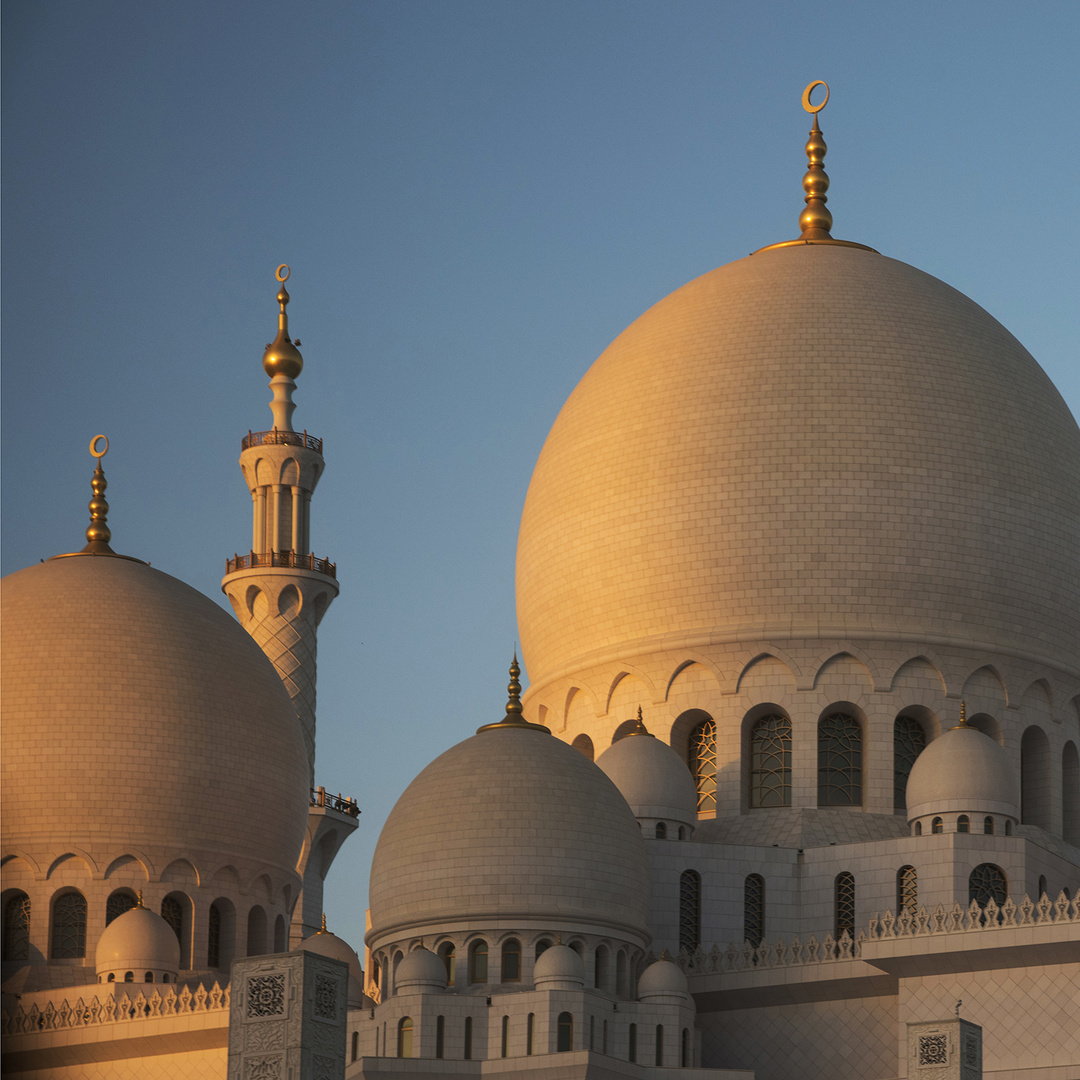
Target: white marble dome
[
  {"x": 559, "y": 968},
  {"x": 139, "y": 716},
  {"x": 663, "y": 980},
  {"x": 963, "y": 771},
  {"x": 324, "y": 943},
  {"x": 815, "y": 441},
  {"x": 653, "y": 779},
  {"x": 512, "y": 829},
  {"x": 138, "y": 941},
  {"x": 420, "y": 969}
]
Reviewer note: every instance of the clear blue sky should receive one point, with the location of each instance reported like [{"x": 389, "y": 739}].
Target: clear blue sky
[{"x": 475, "y": 198}]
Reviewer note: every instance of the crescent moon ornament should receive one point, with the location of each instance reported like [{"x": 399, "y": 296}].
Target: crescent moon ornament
[
  {"x": 94, "y": 446},
  {"x": 282, "y": 272},
  {"x": 809, "y": 90}
]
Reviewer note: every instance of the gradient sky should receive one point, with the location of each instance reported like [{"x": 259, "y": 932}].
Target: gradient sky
[{"x": 474, "y": 198}]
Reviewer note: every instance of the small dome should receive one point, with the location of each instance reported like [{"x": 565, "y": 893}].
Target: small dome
[
  {"x": 963, "y": 771},
  {"x": 559, "y": 968},
  {"x": 653, "y": 779},
  {"x": 324, "y": 943},
  {"x": 138, "y": 941},
  {"x": 510, "y": 828},
  {"x": 421, "y": 968},
  {"x": 661, "y": 980}
]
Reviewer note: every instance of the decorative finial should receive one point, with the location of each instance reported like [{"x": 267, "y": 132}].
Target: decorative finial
[
  {"x": 959, "y": 1002},
  {"x": 513, "y": 717},
  {"x": 281, "y": 356},
  {"x": 963, "y": 713},
  {"x": 639, "y": 728},
  {"x": 97, "y": 532},
  {"x": 816, "y": 220},
  {"x": 138, "y": 899}
]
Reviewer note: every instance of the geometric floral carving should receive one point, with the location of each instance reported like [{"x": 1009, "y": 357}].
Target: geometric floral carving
[
  {"x": 266, "y": 995},
  {"x": 325, "y": 997},
  {"x": 263, "y": 1068},
  {"x": 933, "y": 1050}
]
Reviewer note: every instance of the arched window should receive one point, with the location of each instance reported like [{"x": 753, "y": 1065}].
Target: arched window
[
  {"x": 659, "y": 1044},
  {"x": 565, "y": 1033},
  {"x": 684, "y": 1055},
  {"x": 112, "y": 976},
  {"x": 440, "y": 1036},
  {"x": 845, "y": 904},
  {"x": 213, "y": 938},
  {"x": 584, "y": 744},
  {"x": 622, "y": 985},
  {"x": 632, "y": 1054},
  {"x": 505, "y": 1034},
  {"x": 909, "y": 741},
  {"x": 404, "y": 1037},
  {"x": 988, "y": 826},
  {"x": 839, "y": 760},
  {"x": 173, "y": 913},
  {"x": 1008, "y": 827},
  {"x": 703, "y": 764},
  {"x": 69, "y": 926},
  {"x": 963, "y": 824},
  {"x": 17, "y": 927},
  {"x": 511, "y": 961},
  {"x": 129, "y": 976},
  {"x": 754, "y": 909},
  {"x": 682, "y": 832},
  {"x": 468, "y": 1039},
  {"x": 530, "y": 1025},
  {"x": 918, "y": 828},
  {"x": 279, "y": 934},
  {"x": 120, "y": 901},
  {"x": 770, "y": 761},
  {"x": 1035, "y": 778},
  {"x": 149, "y": 977},
  {"x": 661, "y": 831},
  {"x": 355, "y": 1046},
  {"x": 907, "y": 890},
  {"x": 398, "y": 957},
  {"x": 1042, "y": 886},
  {"x": 446, "y": 951},
  {"x": 256, "y": 935},
  {"x": 987, "y": 882},
  {"x": 478, "y": 958},
  {"x": 937, "y": 826},
  {"x": 689, "y": 911},
  {"x": 1070, "y": 794},
  {"x": 600, "y": 967}
]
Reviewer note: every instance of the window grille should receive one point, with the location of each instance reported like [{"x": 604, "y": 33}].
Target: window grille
[
  {"x": 987, "y": 882},
  {"x": 839, "y": 761},
  {"x": 17, "y": 927},
  {"x": 845, "y": 904},
  {"x": 988, "y": 826},
  {"x": 703, "y": 764},
  {"x": 69, "y": 926},
  {"x": 404, "y": 1037},
  {"x": 661, "y": 831},
  {"x": 909, "y": 740},
  {"x": 689, "y": 911},
  {"x": 907, "y": 890},
  {"x": 478, "y": 962},
  {"x": 770, "y": 761},
  {"x": 754, "y": 909},
  {"x": 173, "y": 913},
  {"x": 117, "y": 904},
  {"x": 511, "y": 961},
  {"x": 937, "y": 826},
  {"x": 963, "y": 824}
]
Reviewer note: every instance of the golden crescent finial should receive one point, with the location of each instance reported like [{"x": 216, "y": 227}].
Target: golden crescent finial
[
  {"x": 809, "y": 90},
  {"x": 283, "y": 271},
  {"x": 94, "y": 451}
]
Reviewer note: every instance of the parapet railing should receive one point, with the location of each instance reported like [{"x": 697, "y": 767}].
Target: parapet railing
[
  {"x": 289, "y": 559},
  {"x": 908, "y": 924},
  {"x": 277, "y": 437},
  {"x": 319, "y": 797},
  {"x": 166, "y": 1001}
]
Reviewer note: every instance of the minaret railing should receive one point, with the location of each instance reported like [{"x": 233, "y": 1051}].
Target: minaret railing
[
  {"x": 292, "y": 560},
  {"x": 277, "y": 437}
]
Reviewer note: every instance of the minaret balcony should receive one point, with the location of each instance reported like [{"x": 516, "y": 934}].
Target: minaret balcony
[
  {"x": 278, "y": 437},
  {"x": 290, "y": 560}
]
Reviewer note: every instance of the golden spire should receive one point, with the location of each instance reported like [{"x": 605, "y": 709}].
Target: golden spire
[
  {"x": 282, "y": 356},
  {"x": 639, "y": 728},
  {"x": 97, "y": 532},
  {"x": 322, "y": 929},
  {"x": 513, "y": 717},
  {"x": 963, "y": 714},
  {"x": 816, "y": 220},
  {"x": 138, "y": 901}
]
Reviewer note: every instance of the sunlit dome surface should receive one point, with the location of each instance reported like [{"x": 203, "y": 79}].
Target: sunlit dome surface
[{"x": 813, "y": 441}]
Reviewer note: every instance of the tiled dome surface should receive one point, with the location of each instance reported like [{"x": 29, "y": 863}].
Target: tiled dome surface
[{"x": 813, "y": 441}]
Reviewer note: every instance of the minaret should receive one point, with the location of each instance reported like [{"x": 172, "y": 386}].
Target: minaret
[{"x": 279, "y": 590}]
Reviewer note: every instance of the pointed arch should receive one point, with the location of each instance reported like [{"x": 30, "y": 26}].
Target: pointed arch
[
  {"x": 924, "y": 664},
  {"x": 131, "y": 862},
  {"x": 985, "y": 682},
  {"x": 847, "y": 666},
  {"x": 707, "y": 666},
  {"x": 76, "y": 854},
  {"x": 773, "y": 662},
  {"x": 1035, "y": 802},
  {"x": 181, "y": 872}
]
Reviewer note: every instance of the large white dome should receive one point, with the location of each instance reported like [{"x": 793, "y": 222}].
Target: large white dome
[
  {"x": 511, "y": 828},
  {"x": 813, "y": 441},
  {"x": 140, "y": 717}
]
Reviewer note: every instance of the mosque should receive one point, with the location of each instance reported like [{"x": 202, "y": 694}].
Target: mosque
[{"x": 794, "y": 791}]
